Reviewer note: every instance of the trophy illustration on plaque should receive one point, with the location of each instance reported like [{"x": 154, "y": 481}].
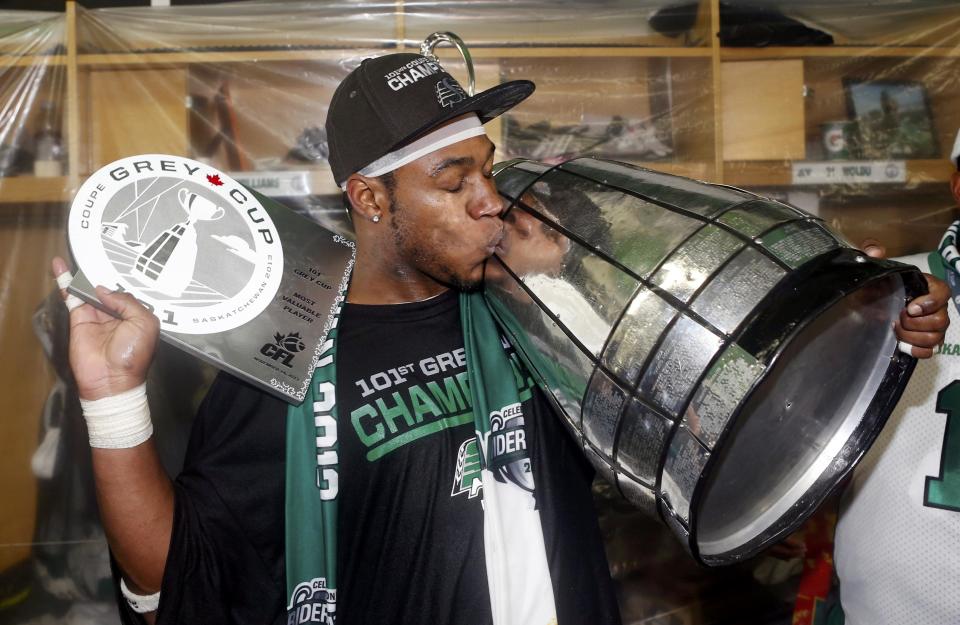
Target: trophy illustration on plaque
[
  {"x": 149, "y": 243},
  {"x": 168, "y": 262}
]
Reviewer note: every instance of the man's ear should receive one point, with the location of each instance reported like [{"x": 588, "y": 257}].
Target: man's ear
[
  {"x": 367, "y": 197},
  {"x": 955, "y": 185}
]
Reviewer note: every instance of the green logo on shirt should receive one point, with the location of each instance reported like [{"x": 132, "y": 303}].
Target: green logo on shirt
[{"x": 467, "y": 478}]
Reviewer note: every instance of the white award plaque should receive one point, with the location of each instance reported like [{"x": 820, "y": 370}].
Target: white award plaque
[{"x": 234, "y": 277}]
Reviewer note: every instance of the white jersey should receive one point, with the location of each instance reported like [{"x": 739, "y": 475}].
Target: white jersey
[{"x": 897, "y": 547}]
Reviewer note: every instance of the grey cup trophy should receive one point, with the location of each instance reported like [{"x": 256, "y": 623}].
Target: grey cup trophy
[{"x": 724, "y": 359}]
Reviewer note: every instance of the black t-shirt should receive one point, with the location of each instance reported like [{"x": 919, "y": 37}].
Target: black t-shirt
[{"x": 411, "y": 522}]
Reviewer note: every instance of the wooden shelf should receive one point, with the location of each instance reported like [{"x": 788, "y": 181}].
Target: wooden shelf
[
  {"x": 757, "y": 173},
  {"x": 33, "y": 60},
  {"x": 780, "y": 173},
  {"x": 929, "y": 170},
  {"x": 580, "y": 51},
  {"x": 289, "y": 183},
  {"x": 26, "y": 189},
  {"x": 199, "y": 56},
  {"x": 697, "y": 171},
  {"x": 799, "y": 52},
  {"x": 702, "y": 148},
  {"x": 251, "y": 56}
]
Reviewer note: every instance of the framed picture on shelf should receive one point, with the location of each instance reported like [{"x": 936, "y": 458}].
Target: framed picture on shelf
[
  {"x": 893, "y": 117},
  {"x": 639, "y": 135},
  {"x": 612, "y": 137}
]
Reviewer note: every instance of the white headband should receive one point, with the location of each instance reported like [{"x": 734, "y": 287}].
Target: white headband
[{"x": 431, "y": 142}]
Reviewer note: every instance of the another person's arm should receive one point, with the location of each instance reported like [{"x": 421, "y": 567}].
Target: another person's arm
[{"x": 924, "y": 321}]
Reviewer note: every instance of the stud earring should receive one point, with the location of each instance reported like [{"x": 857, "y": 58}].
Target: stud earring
[{"x": 376, "y": 219}]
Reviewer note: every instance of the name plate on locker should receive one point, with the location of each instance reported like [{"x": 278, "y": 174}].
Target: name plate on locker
[
  {"x": 296, "y": 183},
  {"x": 234, "y": 277},
  {"x": 849, "y": 172}
]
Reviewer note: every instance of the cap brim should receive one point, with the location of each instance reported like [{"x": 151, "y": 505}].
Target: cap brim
[{"x": 487, "y": 105}]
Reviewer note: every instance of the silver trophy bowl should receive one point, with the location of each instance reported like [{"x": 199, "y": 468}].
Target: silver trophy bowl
[{"x": 724, "y": 359}]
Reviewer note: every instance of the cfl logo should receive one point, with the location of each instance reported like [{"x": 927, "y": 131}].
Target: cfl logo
[{"x": 283, "y": 348}]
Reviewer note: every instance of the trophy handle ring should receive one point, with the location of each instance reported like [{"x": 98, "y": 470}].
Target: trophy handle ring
[
  {"x": 183, "y": 195},
  {"x": 435, "y": 39}
]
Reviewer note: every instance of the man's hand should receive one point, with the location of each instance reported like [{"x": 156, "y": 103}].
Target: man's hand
[
  {"x": 923, "y": 323},
  {"x": 109, "y": 355}
]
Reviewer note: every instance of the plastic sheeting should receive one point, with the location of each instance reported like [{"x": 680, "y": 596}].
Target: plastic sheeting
[{"x": 857, "y": 130}]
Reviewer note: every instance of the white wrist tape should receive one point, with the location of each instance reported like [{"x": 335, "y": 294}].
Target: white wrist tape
[
  {"x": 118, "y": 421},
  {"x": 141, "y": 604}
]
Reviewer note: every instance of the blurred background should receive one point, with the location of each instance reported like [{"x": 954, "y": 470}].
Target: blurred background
[{"x": 845, "y": 108}]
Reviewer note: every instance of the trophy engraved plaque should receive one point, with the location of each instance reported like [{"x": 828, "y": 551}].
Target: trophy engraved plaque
[
  {"x": 234, "y": 277},
  {"x": 723, "y": 358}
]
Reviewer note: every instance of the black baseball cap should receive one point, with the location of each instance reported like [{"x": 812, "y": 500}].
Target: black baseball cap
[{"x": 388, "y": 101}]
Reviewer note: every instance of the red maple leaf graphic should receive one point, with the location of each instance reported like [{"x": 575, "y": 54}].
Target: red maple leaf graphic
[{"x": 215, "y": 180}]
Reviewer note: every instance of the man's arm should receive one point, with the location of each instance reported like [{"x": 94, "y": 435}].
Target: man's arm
[
  {"x": 109, "y": 357},
  {"x": 135, "y": 497}
]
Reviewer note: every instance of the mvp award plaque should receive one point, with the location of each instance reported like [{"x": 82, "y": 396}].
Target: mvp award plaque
[{"x": 234, "y": 277}]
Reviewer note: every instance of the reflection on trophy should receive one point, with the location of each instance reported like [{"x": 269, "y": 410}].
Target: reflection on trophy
[
  {"x": 168, "y": 262},
  {"x": 724, "y": 359}
]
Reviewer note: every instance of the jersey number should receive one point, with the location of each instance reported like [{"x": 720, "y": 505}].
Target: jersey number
[{"x": 943, "y": 491}]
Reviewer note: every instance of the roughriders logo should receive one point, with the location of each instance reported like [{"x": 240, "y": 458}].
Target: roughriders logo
[
  {"x": 467, "y": 478},
  {"x": 449, "y": 92},
  {"x": 507, "y": 447},
  {"x": 313, "y": 602},
  {"x": 193, "y": 245}
]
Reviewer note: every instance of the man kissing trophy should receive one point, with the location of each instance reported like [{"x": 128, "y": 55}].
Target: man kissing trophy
[{"x": 721, "y": 358}]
